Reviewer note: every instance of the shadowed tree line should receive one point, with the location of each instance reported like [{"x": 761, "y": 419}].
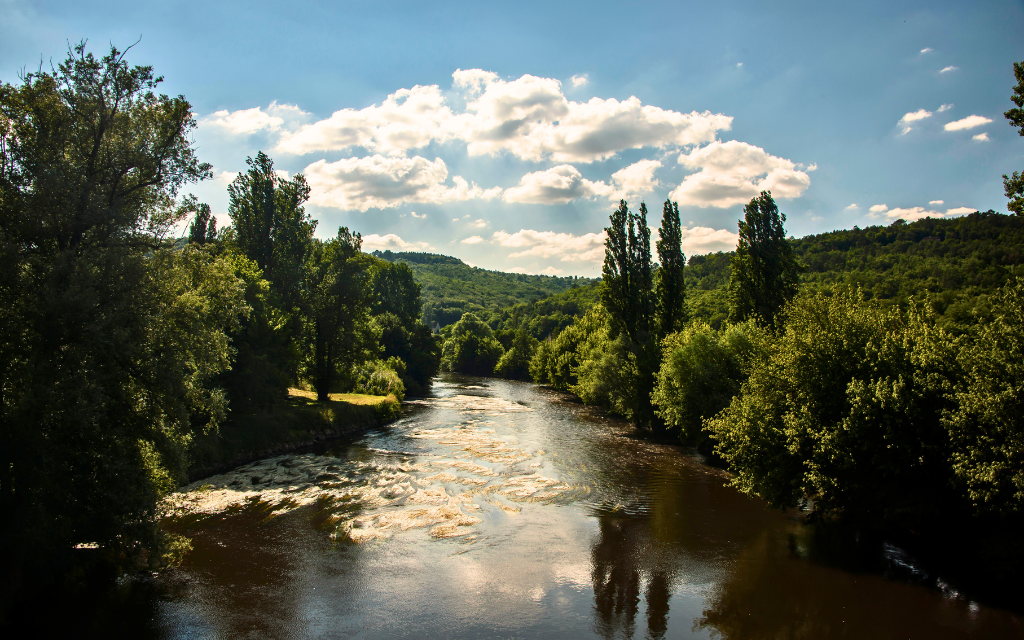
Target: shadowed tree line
[{"x": 121, "y": 345}]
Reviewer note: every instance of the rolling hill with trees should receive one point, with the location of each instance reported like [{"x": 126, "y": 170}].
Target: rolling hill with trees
[{"x": 450, "y": 287}]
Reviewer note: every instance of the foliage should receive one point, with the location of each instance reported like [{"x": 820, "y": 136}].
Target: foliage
[
  {"x": 470, "y": 347},
  {"x": 844, "y": 408},
  {"x": 270, "y": 226},
  {"x": 336, "y": 299},
  {"x": 987, "y": 425},
  {"x": 203, "y": 229},
  {"x": 396, "y": 311},
  {"x": 548, "y": 316},
  {"x": 381, "y": 378},
  {"x": 670, "y": 288},
  {"x": 765, "y": 272},
  {"x": 515, "y": 362},
  {"x": 628, "y": 297},
  {"x": 700, "y": 374},
  {"x": 111, "y": 339},
  {"x": 451, "y": 288},
  {"x": 1014, "y": 185}
]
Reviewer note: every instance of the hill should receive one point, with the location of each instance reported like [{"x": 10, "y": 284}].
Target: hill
[
  {"x": 450, "y": 287},
  {"x": 955, "y": 262}
]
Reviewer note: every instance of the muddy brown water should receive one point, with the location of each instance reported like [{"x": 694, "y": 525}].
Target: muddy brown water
[{"x": 498, "y": 510}]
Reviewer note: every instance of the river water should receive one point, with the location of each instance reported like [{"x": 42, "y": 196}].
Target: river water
[{"x": 496, "y": 509}]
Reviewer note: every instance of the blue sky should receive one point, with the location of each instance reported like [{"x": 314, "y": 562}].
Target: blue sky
[{"x": 504, "y": 133}]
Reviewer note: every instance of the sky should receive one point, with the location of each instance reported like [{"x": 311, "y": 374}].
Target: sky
[{"x": 505, "y": 133}]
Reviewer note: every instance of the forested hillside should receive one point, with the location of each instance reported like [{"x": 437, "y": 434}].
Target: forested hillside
[
  {"x": 450, "y": 287},
  {"x": 958, "y": 262}
]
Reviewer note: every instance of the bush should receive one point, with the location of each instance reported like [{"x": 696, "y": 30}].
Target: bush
[
  {"x": 701, "y": 371},
  {"x": 381, "y": 378}
]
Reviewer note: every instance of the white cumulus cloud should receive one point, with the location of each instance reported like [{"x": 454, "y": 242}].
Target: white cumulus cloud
[
  {"x": 700, "y": 240},
  {"x": 557, "y": 185},
  {"x": 379, "y": 182},
  {"x": 936, "y": 202},
  {"x": 948, "y": 69},
  {"x": 391, "y": 241},
  {"x": 249, "y": 121},
  {"x": 635, "y": 180},
  {"x": 945, "y": 107},
  {"x": 472, "y": 240},
  {"x": 913, "y": 116},
  {"x": 733, "y": 172},
  {"x": 927, "y": 50},
  {"x": 981, "y": 137},
  {"x": 969, "y": 122},
  {"x": 852, "y": 207},
  {"x": 579, "y": 80},
  {"x": 407, "y": 119},
  {"x": 529, "y": 117},
  {"x": 911, "y": 214},
  {"x": 547, "y": 244}
]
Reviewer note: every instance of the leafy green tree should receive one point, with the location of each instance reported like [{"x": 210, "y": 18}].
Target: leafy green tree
[
  {"x": 844, "y": 408},
  {"x": 1014, "y": 185},
  {"x": 670, "y": 290},
  {"x": 270, "y": 225},
  {"x": 470, "y": 347},
  {"x": 396, "y": 308},
  {"x": 203, "y": 229},
  {"x": 111, "y": 339},
  {"x": 701, "y": 373},
  {"x": 335, "y": 309},
  {"x": 628, "y": 297},
  {"x": 765, "y": 273},
  {"x": 987, "y": 426},
  {"x": 515, "y": 363}
]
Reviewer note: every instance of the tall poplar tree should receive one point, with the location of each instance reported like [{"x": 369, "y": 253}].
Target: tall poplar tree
[
  {"x": 765, "y": 273},
  {"x": 1014, "y": 185},
  {"x": 628, "y": 296},
  {"x": 670, "y": 292}
]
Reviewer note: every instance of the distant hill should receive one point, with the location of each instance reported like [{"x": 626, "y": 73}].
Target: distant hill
[
  {"x": 450, "y": 287},
  {"x": 955, "y": 262},
  {"x": 958, "y": 262}
]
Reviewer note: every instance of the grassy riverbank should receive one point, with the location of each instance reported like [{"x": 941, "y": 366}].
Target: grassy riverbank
[{"x": 299, "y": 422}]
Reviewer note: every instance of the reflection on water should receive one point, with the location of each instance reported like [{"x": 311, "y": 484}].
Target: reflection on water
[{"x": 496, "y": 509}]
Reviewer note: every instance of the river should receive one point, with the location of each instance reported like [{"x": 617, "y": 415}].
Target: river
[{"x": 497, "y": 509}]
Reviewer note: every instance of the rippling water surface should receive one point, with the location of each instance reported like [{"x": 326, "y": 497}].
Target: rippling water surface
[{"x": 496, "y": 509}]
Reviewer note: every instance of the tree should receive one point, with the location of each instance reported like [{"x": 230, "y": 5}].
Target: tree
[
  {"x": 670, "y": 291},
  {"x": 765, "y": 273},
  {"x": 628, "y": 297},
  {"x": 515, "y": 363},
  {"x": 110, "y": 338},
  {"x": 701, "y": 373},
  {"x": 987, "y": 426},
  {"x": 204, "y": 226},
  {"x": 1014, "y": 185},
  {"x": 396, "y": 308},
  {"x": 845, "y": 408},
  {"x": 270, "y": 225},
  {"x": 335, "y": 308},
  {"x": 470, "y": 347}
]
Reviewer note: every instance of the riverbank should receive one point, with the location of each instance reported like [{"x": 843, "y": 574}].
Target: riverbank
[{"x": 298, "y": 423}]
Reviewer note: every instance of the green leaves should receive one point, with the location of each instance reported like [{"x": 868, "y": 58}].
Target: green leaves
[
  {"x": 765, "y": 273},
  {"x": 471, "y": 348}
]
